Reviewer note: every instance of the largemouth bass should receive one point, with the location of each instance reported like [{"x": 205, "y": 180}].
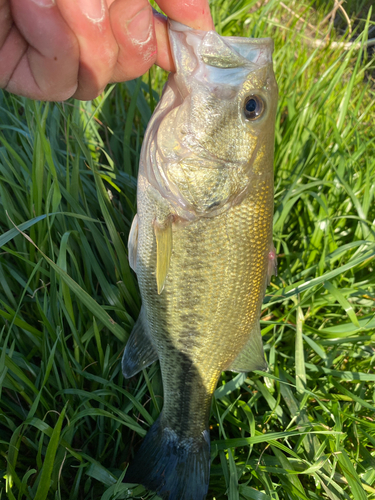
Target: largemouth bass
[{"x": 201, "y": 244}]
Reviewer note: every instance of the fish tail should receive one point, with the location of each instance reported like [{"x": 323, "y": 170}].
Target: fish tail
[{"x": 177, "y": 469}]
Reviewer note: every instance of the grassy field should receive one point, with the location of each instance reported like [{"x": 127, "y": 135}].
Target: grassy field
[{"x": 69, "y": 422}]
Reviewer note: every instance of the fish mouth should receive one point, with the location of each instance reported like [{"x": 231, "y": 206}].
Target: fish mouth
[
  {"x": 215, "y": 60},
  {"x": 219, "y": 52}
]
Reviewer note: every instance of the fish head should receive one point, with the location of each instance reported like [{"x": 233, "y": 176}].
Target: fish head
[{"x": 215, "y": 125}]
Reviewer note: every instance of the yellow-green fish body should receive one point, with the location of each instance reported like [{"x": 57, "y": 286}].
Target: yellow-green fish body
[{"x": 201, "y": 244}]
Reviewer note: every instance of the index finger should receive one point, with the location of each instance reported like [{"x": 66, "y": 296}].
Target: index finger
[{"x": 193, "y": 13}]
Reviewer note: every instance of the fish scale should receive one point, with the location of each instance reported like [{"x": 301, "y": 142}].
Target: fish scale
[{"x": 201, "y": 248}]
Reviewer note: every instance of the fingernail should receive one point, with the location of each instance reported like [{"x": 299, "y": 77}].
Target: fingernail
[
  {"x": 44, "y": 3},
  {"x": 92, "y": 9},
  {"x": 140, "y": 27}
]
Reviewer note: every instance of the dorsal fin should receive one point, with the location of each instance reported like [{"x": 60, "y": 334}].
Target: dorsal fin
[{"x": 252, "y": 355}]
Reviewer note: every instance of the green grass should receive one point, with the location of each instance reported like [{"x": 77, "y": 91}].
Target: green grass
[{"x": 69, "y": 422}]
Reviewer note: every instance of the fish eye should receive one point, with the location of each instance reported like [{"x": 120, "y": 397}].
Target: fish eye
[{"x": 254, "y": 107}]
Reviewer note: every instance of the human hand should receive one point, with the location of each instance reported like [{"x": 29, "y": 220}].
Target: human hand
[{"x": 55, "y": 49}]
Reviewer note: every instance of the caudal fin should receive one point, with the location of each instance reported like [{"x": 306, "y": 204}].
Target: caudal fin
[{"x": 176, "y": 469}]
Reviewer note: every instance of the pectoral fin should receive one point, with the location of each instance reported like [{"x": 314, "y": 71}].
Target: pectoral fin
[
  {"x": 133, "y": 243},
  {"x": 163, "y": 235},
  {"x": 252, "y": 355},
  {"x": 139, "y": 352}
]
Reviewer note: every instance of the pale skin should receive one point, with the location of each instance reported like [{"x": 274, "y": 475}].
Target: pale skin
[{"x": 55, "y": 49}]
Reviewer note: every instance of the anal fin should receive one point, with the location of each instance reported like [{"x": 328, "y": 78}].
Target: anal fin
[
  {"x": 163, "y": 235},
  {"x": 139, "y": 352},
  {"x": 252, "y": 355}
]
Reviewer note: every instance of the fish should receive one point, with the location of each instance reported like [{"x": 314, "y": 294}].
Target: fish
[{"x": 201, "y": 244}]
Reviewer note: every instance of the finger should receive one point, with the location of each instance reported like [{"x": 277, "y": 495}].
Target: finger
[
  {"x": 89, "y": 21},
  {"x": 194, "y": 13},
  {"x": 164, "y": 57},
  {"x": 32, "y": 67},
  {"x": 133, "y": 27},
  {"x": 5, "y": 21},
  {"x": 12, "y": 45}
]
